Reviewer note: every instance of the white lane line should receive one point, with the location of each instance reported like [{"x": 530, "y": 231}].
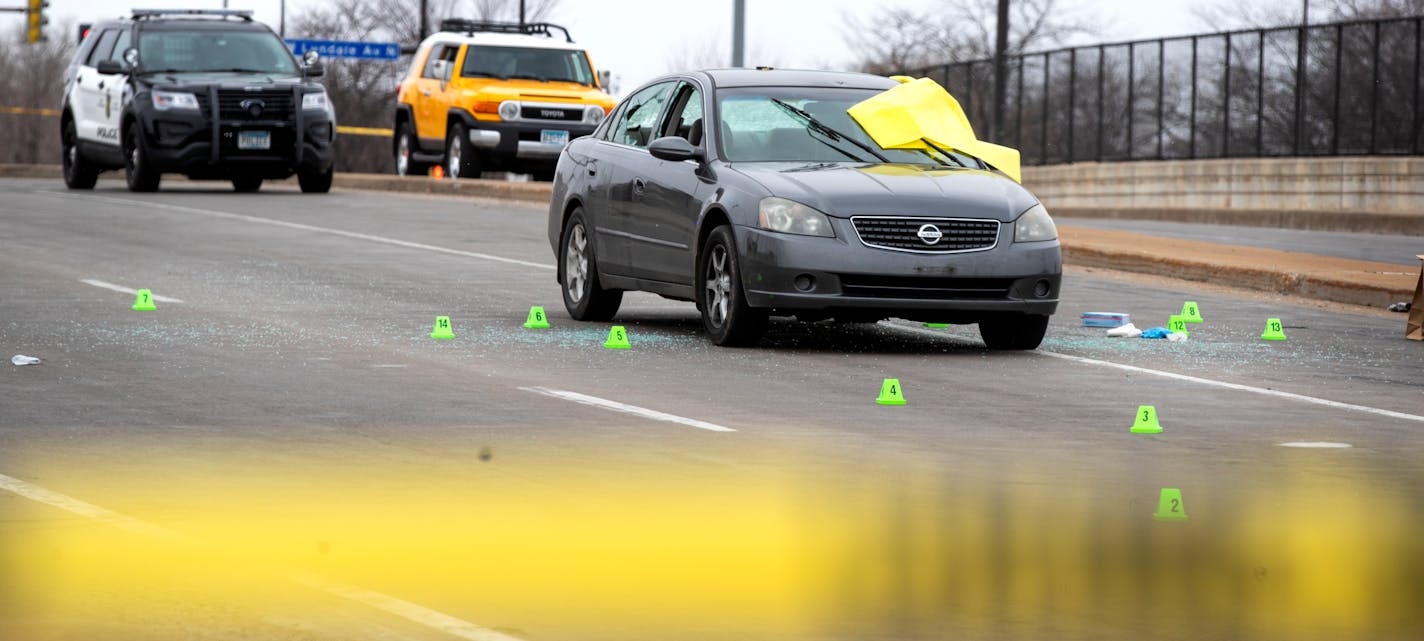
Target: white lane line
[
  {"x": 1301, "y": 398},
  {"x": 126, "y": 290},
  {"x": 313, "y": 228},
  {"x": 1317, "y": 445},
  {"x": 407, "y": 610},
  {"x": 627, "y": 409},
  {"x": 401, "y": 608}
]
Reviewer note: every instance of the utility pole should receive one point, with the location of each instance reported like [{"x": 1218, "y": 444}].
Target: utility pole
[
  {"x": 1300, "y": 53},
  {"x": 739, "y": 24},
  {"x": 521, "y": 15},
  {"x": 424, "y": 20},
  {"x": 1001, "y": 73},
  {"x": 282, "y": 28}
]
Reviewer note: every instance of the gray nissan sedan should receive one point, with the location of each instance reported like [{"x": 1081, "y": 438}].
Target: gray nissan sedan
[{"x": 753, "y": 194}]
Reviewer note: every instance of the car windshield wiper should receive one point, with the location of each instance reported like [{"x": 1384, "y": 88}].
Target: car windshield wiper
[
  {"x": 240, "y": 70},
  {"x": 526, "y": 76},
  {"x": 945, "y": 154},
  {"x": 823, "y": 129},
  {"x": 149, "y": 71},
  {"x": 483, "y": 74}
]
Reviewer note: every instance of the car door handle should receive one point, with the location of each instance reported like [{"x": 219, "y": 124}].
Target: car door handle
[
  {"x": 101, "y": 84},
  {"x": 639, "y": 186}
]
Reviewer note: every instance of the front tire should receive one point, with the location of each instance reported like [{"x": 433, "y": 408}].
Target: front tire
[
  {"x": 461, "y": 159},
  {"x": 78, "y": 172},
  {"x": 138, "y": 172},
  {"x": 584, "y": 297},
  {"x": 316, "y": 182},
  {"x": 1014, "y": 331},
  {"x": 246, "y": 184},
  {"x": 729, "y": 320}
]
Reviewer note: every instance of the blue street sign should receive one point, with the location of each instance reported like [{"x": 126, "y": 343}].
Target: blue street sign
[{"x": 346, "y": 49}]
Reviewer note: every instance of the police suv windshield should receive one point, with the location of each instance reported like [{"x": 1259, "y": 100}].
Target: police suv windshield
[{"x": 206, "y": 51}]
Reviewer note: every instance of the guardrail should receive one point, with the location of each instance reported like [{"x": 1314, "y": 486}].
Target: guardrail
[{"x": 1230, "y": 94}]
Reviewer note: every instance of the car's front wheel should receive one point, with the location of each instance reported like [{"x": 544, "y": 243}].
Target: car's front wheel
[
  {"x": 729, "y": 320},
  {"x": 78, "y": 172},
  {"x": 584, "y": 296},
  {"x": 139, "y": 174},
  {"x": 247, "y": 184},
  {"x": 316, "y": 182},
  {"x": 1014, "y": 331},
  {"x": 461, "y": 160}
]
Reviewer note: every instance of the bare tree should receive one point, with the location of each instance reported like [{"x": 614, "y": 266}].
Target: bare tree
[
  {"x": 901, "y": 39},
  {"x": 31, "y": 79}
]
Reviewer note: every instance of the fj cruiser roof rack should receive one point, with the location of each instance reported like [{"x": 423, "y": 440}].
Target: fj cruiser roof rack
[
  {"x": 470, "y": 27},
  {"x": 149, "y": 14}
]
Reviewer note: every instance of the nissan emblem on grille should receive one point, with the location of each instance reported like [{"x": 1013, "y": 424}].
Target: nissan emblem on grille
[
  {"x": 929, "y": 234},
  {"x": 252, "y": 106}
]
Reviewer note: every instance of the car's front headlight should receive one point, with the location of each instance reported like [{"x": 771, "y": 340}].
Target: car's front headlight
[
  {"x": 509, "y": 110},
  {"x": 1035, "y": 225},
  {"x": 791, "y": 217},
  {"x": 593, "y": 114},
  {"x": 314, "y": 101},
  {"x": 165, "y": 100}
]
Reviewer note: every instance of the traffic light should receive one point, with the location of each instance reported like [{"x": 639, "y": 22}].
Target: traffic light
[{"x": 35, "y": 20}]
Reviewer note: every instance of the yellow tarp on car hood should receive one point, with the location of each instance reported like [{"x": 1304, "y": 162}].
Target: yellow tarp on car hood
[{"x": 905, "y": 116}]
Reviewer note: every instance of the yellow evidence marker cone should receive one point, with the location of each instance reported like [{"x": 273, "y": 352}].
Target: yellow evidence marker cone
[
  {"x": 1274, "y": 330},
  {"x": 617, "y": 338},
  {"x": 1178, "y": 325},
  {"x": 1191, "y": 313},
  {"x": 442, "y": 328},
  {"x": 1169, "y": 506},
  {"x": 891, "y": 393},
  {"x": 1146, "y": 421},
  {"x": 144, "y": 301},
  {"x": 537, "y": 320}
]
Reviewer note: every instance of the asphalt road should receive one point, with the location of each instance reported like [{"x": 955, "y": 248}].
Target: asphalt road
[
  {"x": 1380, "y": 248},
  {"x": 286, "y": 454}
]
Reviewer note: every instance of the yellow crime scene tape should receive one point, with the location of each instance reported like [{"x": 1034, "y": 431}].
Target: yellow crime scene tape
[{"x": 351, "y": 131}]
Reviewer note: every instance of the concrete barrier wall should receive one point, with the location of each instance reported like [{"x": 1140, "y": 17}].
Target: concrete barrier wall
[{"x": 1366, "y": 185}]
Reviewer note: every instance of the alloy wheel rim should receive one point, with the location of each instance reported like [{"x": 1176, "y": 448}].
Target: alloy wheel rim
[
  {"x": 454, "y": 169},
  {"x": 718, "y": 286},
  {"x": 576, "y": 263}
]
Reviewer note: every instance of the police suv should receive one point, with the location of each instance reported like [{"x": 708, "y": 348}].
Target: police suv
[{"x": 210, "y": 94}]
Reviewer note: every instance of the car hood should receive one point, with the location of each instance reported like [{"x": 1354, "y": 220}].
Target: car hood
[
  {"x": 222, "y": 79},
  {"x": 849, "y": 189}
]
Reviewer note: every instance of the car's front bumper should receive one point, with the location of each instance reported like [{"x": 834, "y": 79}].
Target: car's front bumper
[
  {"x": 787, "y": 272},
  {"x": 189, "y": 142}
]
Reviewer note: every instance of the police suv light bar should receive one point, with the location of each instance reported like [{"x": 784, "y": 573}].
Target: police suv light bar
[{"x": 245, "y": 14}]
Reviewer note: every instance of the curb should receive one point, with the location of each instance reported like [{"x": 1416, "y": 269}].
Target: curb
[{"x": 1312, "y": 220}]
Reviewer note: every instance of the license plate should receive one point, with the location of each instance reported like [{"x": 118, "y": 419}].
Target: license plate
[
  {"x": 554, "y": 137},
  {"x": 254, "y": 140}
]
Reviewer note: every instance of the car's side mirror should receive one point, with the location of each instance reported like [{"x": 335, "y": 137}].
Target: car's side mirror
[
  {"x": 109, "y": 67},
  {"x": 674, "y": 148}
]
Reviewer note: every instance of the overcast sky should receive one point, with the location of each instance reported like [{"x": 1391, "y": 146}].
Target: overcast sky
[{"x": 637, "y": 39}]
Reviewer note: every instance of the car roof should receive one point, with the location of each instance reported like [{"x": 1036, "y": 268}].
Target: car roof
[
  {"x": 503, "y": 40},
  {"x": 724, "y": 78},
  {"x": 183, "y": 24}
]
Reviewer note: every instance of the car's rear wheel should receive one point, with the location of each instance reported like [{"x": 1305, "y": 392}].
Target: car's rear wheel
[
  {"x": 139, "y": 174},
  {"x": 78, "y": 172},
  {"x": 406, "y": 164},
  {"x": 729, "y": 320},
  {"x": 1014, "y": 331},
  {"x": 584, "y": 296},
  {"x": 461, "y": 160},
  {"x": 247, "y": 184},
  {"x": 316, "y": 182}
]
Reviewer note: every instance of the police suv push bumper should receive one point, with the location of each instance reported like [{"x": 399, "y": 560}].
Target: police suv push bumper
[{"x": 207, "y": 142}]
